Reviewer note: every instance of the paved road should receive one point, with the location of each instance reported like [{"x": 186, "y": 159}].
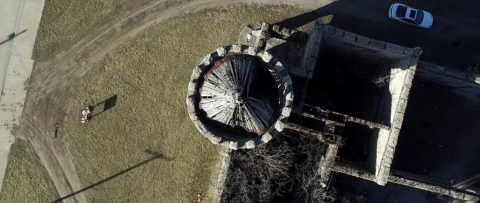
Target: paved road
[
  {"x": 52, "y": 85},
  {"x": 442, "y": 134},
  {"x": 19, "y": 20},
  {"x": 8, "y": 14},
  {"x": 453, "y": 41},
  {"x": 52, "y": 80}
]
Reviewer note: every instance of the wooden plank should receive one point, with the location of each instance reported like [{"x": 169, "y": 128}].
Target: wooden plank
[{"x": 225, "y": 98}]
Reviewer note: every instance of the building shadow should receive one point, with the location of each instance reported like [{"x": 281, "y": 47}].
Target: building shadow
[
  {"x": 305, "y": 18},
  {"x": 155, "y": 156},
  {"x": 344, "y": 12},
  {"x": 344, "y": 81},
  {"x": 451, "y": 42},
  {"x": 12, "y": 36}
]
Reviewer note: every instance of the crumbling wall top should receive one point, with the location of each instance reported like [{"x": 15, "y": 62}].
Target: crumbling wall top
[{"x": 228, "y": 138}]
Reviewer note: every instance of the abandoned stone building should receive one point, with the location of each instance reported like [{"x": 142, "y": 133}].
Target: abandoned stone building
[{"x": 349, "y": 91}]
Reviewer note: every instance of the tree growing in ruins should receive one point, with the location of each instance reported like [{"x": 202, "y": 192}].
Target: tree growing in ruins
[
  {"x": 308, "y": 174},
  {"x": 259, "y": 174},
  {"x": 287, "y": 164}
]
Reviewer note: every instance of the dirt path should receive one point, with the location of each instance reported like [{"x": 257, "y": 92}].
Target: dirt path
[{"x": 52, "y": 85}]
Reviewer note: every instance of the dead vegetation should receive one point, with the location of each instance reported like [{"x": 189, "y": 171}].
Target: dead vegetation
[
  {"x": 310, "y": 188},
  {"x": 259, "y": 174},
  {"x": 149, "y": 74},
  {"x": 64, "y": 23},
  {"x": 284, "y": 169}
]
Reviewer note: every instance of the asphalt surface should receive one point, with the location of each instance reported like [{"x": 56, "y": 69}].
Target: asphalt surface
[
  {"x": 453, "y": 21},
  {"x": 453, "y": 41},
  {"x": 440, "y": 135}
]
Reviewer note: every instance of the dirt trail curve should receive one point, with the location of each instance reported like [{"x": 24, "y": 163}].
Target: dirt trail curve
[{"x": 52, "y": 84}]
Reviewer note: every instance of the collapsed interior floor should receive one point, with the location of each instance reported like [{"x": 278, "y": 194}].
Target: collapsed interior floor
[{"x": 358, "y": 149}]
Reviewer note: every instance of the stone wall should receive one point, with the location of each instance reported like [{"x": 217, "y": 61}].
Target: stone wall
[
  {"x": 402, "y": 71},
  {"x": 284, "y": 85},
  {"x": 462, "y": 81}
]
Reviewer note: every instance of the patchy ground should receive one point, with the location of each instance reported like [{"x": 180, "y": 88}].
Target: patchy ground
[
  {"x": 64, "y": 23},
  {"x": 54, "y": 84},
  {"x": 79, "y": 36},
  {"x": 149, "y": 75},
  {"x": 25, "y": 179}
]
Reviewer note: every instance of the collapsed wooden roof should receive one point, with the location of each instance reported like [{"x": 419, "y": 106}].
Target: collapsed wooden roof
[{"x": 226, "y": 95}]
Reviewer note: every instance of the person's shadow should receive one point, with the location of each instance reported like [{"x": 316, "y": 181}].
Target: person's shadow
[{"x": 102, "y": 106}]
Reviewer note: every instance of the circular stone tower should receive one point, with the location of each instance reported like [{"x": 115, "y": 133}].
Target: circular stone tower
[{"x": 239, "y": 97}]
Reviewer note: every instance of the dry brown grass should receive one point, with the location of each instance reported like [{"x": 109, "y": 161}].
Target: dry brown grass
[
  {"x": 65, "y": 22},
  {"x": 25, "y": 179},
  {"x": 150, "y": 75}
]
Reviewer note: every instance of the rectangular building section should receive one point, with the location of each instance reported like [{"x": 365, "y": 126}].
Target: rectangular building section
[{"x": 363, "y": 78}]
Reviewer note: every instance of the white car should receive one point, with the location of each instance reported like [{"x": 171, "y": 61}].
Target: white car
[{"x": 411, "y": 16}]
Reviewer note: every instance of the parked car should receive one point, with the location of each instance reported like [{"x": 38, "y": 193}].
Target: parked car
[{"x": 411, "y": 16}]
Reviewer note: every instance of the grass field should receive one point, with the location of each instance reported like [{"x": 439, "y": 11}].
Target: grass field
[
  {"x": 64, "y": 23},
  {"x": 149, "y": 75},
  {"x": 25, "y": 179}
]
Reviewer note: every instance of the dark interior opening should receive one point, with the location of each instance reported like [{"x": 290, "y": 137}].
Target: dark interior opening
[
  {"x": 264, "y": 85},
  {"x": 358, "y": 149},
  {"x": 298, "y": 84},
  {"x": 350, "y": 84}
]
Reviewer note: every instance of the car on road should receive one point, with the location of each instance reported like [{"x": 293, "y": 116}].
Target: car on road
[{"x": 411, "y": 16}]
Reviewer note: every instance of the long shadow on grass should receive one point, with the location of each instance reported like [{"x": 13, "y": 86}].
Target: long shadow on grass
[{"x": 155, "y": 156}]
